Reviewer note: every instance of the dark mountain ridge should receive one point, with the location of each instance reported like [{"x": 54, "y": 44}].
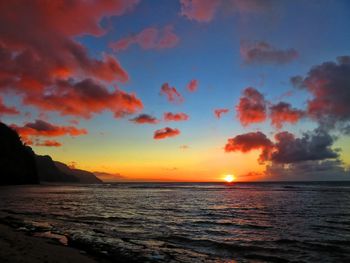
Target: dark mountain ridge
[{"x": 20, "y": 165}]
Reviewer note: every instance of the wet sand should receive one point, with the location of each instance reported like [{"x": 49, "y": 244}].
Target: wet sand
[{"x": 16, "y": 246}]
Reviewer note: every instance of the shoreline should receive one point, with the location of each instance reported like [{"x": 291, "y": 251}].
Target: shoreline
[{"x": 18, "y": 246}]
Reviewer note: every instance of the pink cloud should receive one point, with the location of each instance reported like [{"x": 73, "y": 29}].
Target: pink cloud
[
  {"x": 251, "y": 107},
  {"x": 257, "y": 52},
  {"x": 49, "y": 42},
  {"x": 205, "y": 10},
  {"x": 199, "y": 10},
  {"x": 283, "y": 112},
  {"x": 149, "y": 38},
  {"x": 192, "y": 85},
  {"x": 168, "y": 116},
  {"x": 171, "y": 93},
  {"x": 219, "y": 112}
]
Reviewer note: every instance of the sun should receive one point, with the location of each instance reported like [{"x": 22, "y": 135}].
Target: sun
[{"x": 229, "y": 178}]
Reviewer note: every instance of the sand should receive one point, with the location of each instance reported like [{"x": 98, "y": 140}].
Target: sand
[{"x": 16, "y": 246}]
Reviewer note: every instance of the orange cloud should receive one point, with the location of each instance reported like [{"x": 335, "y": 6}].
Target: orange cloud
[
  {"x": 43, "y": 128},
  {"x": 165, "y": 133},
  {"x": 144, "y": 118},
  {"x": 251, "y": 107},
  {"x": 85, "y": 98},
  {"x": 171, "y": 93},
  {"x": 149, "y": 38},
  {"x": 168, "y": 116},
  {"x": 219, "y": 112},
  {"x": 49, "y": 143}
]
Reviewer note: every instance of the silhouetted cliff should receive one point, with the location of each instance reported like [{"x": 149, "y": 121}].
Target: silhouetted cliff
[
  {"x": 17, "y": 162},
  {"x": 83, "y": 177},
  {"x": 48, "y": 171},
  {"x": 20, "y": 165}
]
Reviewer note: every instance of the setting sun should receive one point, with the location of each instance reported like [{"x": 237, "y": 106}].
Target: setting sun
[{"x": 229, "y": 178}]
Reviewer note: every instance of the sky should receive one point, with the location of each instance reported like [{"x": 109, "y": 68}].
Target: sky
[{"x": 181, "y": 90}]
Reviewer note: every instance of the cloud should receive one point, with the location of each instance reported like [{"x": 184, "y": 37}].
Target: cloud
[
  {"x": 312, "y": 146},
  {"x": 199, "y": 10},
  {"x": 192, "y": 86},
  {"x": 171, "y": 93},
  {"x": 149, "y": 38},
  {"x": 85, "y": 98},
  {"x": 251, "y": 141},
  {"x": 324, "y": 170},
  {"x": 45, "y": 129},
  {"x": 5, "y": 110},
  {"x": 219, "y": 112},
  {"x": 283, "y": 112},
  {"x": 251, "y": 107},
  {"x": 49, "y": 143},
  {"x": 184, "y": 147},
  {"x": 261, "y": 52},
  {"x": 168, "y": 116},
  {"x": 309, "y": 157},
  {"x": 205, "y": 10},
  {"x": 165, "y": 133},
  {"x": 329, "y": 85},
  {"x": 43, "y": 33},
  {"x": 144, "y": 118}
]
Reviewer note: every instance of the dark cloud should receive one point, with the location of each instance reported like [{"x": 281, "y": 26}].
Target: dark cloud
[
  {"x": 324, "y": 170},
  {"x": 260, "y": 52},
  {"x": 329, "y": 84},
  {"x": 283, "y": 112},
  {"x": 251, "y": 107},
  {"x": 219, "y": 112},
  {"x": 311, "y": 146},
  {"x": 168, "y": 116},
  {"x": 149, "y": 38},
  {"x": 165, "y": 133},
  {"x": 144, "y": 118},
  {"x": 171, "y": 93}
]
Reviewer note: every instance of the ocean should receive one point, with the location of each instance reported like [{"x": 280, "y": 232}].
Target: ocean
[{"x": 189, "y": 222}]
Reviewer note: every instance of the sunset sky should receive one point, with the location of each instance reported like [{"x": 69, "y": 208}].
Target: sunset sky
[{"x": 181, "y": 90}]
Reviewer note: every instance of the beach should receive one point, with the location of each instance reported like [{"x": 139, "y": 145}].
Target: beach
[{"x": 17, "y": 246}]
